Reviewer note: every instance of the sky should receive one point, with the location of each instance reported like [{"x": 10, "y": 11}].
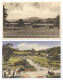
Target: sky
[
  {"x": 37, "y": 45},
  {"x": 25, "y": 10}
]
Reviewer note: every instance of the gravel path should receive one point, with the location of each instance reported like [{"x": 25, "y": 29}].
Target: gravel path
[{"x": 41, "y": 71}]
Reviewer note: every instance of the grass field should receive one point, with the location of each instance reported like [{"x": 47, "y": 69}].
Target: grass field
[
  {"x": 40, "y": 60},
  {"x": 29, "y": 32},
  {"x": 14, "y": 59},
  {"x": 43, "y": 61},
  {"x": 22, "y": 52}
]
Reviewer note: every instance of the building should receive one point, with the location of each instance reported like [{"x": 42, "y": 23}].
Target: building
[
  {"x": 43, "y": 25},
  {"x": 27, "y": 24},
  {"x": 10, "y": 24}
]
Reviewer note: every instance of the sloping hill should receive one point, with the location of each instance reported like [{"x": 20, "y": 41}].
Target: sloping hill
[{"x": 32, "y": 19}]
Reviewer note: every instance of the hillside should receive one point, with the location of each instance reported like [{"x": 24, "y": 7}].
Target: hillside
[{"x": 32, "y": 19}]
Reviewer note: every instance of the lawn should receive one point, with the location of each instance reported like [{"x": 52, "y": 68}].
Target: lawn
[
  {"x": 15, "y": 52},
  {"x": 29, "y": 32},
  {"x": 40, "y": 60},
  {"x": 14, "y": 59}
]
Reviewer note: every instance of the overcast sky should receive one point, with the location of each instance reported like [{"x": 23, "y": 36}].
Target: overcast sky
[
  {"x": 37, "y": 45},
  {"x": 32, "y": 9}
]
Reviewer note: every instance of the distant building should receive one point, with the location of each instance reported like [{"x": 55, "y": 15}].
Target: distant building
[
  {"x": 43, "y": 25},
  {"x": 27, "y": 24},
  {"x": 11, "y": 24}
]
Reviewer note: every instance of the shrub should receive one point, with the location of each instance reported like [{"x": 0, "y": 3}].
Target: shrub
[
  {"x": 17, "y": 63},
  {"x": 54, "y": 76},
  {"x": 22, "y": 68}
]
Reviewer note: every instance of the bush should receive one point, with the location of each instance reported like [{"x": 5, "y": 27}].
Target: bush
[
  {"x": 22, "y": 68},
  {"x": 17, "y": 63}
]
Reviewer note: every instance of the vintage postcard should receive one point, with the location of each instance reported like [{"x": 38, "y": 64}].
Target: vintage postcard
[
  {"x": 31, "y": 59},
  {"x": 31, "y": 19}
]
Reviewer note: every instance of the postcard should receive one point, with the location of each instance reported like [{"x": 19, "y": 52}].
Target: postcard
[{"x": 31, "y": 19}]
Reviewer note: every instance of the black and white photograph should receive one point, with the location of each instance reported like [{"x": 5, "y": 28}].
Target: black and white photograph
[
  {"x": 31, "y": 19},
  {"x": 31, "y": 59}
]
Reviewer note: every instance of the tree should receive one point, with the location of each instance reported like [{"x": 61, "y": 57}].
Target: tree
[
  {"x": 9, "y": 45},
  {"x": 20, "y": 23},
  {"x": 7, "y": 51},
  {"x": 33, "y": 51},
  {"x": 4, "y": 15},
  {"x": 57, "y": 21}
]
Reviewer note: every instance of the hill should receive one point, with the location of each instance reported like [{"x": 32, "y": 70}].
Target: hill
[{"x": 32, "y": 19}]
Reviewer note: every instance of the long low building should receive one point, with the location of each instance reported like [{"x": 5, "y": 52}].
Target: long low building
[
  {"x": 43, "y": 25},
  {"x": 33, "y": 25},
  {"x": 9, "y": 24}
]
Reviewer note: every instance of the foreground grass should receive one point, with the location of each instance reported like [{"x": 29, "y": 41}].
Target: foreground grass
[
  {"x": 54, "y": 76},
  {"x": 28, "y": 32}
]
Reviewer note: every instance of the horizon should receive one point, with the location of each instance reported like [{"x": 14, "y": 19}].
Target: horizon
[{"x": 29, "y": 18}]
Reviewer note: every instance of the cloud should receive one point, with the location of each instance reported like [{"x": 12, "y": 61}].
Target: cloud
[
  {"x": 26, "y": 10},
  {"x": 36, "y": 46}
]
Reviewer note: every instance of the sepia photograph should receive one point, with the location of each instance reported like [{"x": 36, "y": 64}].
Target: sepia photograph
[
  {"x": 31, "y": 59},
  {"x": 31, "y": 19}
]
